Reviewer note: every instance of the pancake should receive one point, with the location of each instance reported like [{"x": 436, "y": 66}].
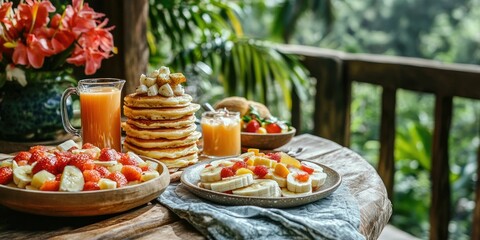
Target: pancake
[
  {"x": 151, "y": 124},
  {"x": 141, "y": 100},
  {"x": 169, "y": 133},
  {"x": 164, "y": 143},
  {"x": 160, "y": 113},
  {"x": 159, "y": 153},
  {"x": 181, "y": 161}
]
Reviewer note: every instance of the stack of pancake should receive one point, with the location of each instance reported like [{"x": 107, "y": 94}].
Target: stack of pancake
[{"x": 162, "y": 127}]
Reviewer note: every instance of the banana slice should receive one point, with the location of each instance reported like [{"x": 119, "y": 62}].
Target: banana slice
[
  {"x": 135, "y": 157},
  {"x": 318, "y": 179},
  {"x": 278, "y": 192},
  {"x": 22, "y": 175},
  {"x": 296, "y": 186},
  {"x": 65, "y": 146},
  {"x": 41, "y": 177},
  {"x": 286, "y": 193},
  {"x": 149, "y": 175},
  {"x": 152, "y": 90},
  {"x": 72, "y": 179},
  {"x": 211, "y": 174},
  {"x": 259, "y": 188},
  {"x": 315, "y": 167},
  {"x": 141, "y": 89},
  {"x": 165, "y": 90},
  {"x": 94, "y": 152},
  {"x": 231, "y": 183},
  {"x": 281, "y": 181},
  {"x": 206, "y": 185},
  {"x": 105, "y": 183},
  {"x": 7, "y": 163},
  {"x": 225, "y": 163}
]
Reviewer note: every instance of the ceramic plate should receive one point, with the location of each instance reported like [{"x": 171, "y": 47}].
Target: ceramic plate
[
  {"x": 191, "y": 177},
  {"x": 90, "y": 203}
]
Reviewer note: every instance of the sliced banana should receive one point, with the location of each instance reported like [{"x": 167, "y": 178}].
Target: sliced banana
[
  {"x": 296, "y": 186},
  {"x": 141, "y": 89},
  {"x": 105, "y": 183},
  {"x": 281, "y": 181},
  {"x": 149, "y": 175},
  {"x": 41, "y": 177},
  {"x": 206, "y": 185},
  {"x": 65, "y": 146},
  {"x": 135, "y": 157},
  {"x": 316, "y": 168},
  {"x": 72, "y": 179},
  {"x": 94, "y": 152},
  {"x": 211, "y": 174},
  {"x": 287, "y": 193},
  {"x": 318, "y": 179},
  {"x": 259, "y": 188},
  {"x": 152, "y": 90},
  {"x": 231, "y": 183},
  {"x": 115, "y": 168},
  {"x": 22, "y": 175},
  {"x": 165, "y": 90},
  {"x": 225, "y": 163},
  {"x": 178, "y": 90},
  {"x": 105, "y": 163},
  {"x": 7, "y": 163}
]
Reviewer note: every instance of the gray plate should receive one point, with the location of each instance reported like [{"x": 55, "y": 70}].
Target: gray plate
[{"x": 191, "y": 177}]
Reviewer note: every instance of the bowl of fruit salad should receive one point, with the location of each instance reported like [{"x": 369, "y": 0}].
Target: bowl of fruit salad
[
  {"x": 265, "y": 133},
  {"x": 70, "y": 180}
]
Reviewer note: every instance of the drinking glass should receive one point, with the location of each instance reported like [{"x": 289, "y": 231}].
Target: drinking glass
[
  {"x": 221, "y": 133},
  {"x": 100, "y": 100}
]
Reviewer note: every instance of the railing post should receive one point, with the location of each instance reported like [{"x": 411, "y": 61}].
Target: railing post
[
  {"x": 476, "y": 212},
  {"x": 386, "y": 164},
  {"x": 441, "y": 204}
]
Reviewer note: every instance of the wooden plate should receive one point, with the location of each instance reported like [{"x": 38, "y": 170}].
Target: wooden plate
[
  {"x": 89, "y": 203},
  {"x": 267, "y": 141},
  {"x": 191, "y": 177}
]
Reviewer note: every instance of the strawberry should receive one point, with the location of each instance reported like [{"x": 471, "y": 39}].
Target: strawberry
[
  {"x": 238, "y": 165},
  {"x": 260, "y": 171},
  {"x": 89, "y": 165},
  {"x": 91, "y": 176},
  {"x": 125, "y": 159},
  {"x": 108, "y": 154},
  {"x": 88, "y": 146},
  {"x": 22, "y": 156},
  {"x": 58, "y": 177},
  {"x": 63, "y": 158},
  {"x": 302, "y": 176},
  {"x": 78, "y": 160},
  {"x": 252, "y": 126},
  {"x": 46, "y": 163},
  {"x": 37, "y": 148},
  {"x": 90, "y": 186},
  {"x": 102, "y": 170},
  {"x": 22, "y": 163},
  {"x": 119, "y": 178},
  {"x": 50, "y": 185},
  {"x": 274, "y": 156},
  {"x": 132, "y": 173},
  {"x": 273, "y": 128},
  {"x": 227, "y": 172},
  {"x": 307, "y": 169},
  {"x": 37, "y": 155},
  {"x": 6, "y": 175}
]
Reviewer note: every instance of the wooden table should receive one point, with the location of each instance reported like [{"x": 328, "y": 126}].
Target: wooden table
[{"x": 154, "y": 221}]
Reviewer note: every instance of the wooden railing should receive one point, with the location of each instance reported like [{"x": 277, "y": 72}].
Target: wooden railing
[{"x": 335, "y": 71}]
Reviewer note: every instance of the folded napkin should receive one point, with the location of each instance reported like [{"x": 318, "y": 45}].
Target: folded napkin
[{"x": 334, "y": 217}]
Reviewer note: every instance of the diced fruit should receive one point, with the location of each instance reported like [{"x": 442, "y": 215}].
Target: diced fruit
[
  {"x": 7, "y": 163},
  {"x": 152, "y": 165},
  {"x": 47, "y": 163},
  {"x": 119, "y": 178},
  {"x": 50, "y": 185},
  {"x": 250, "y": 162},
  {"x": 149, "y": 175},
  {"x": 37, "y": 155},
  {"x": 264, "y": 161},
  {"x": 6, "y": 175},
  {"x": 67, "y": 145},
  {"x": 254, "y": 150},
  {"x": 135, "y": 157},
  {"x": 165, "y": 90},
  {"x": 252, "y": 126},
  {"x": 273, "y": 128},
  {"x": 88, "y": 146},
  {"x": 242, "y": 171},
  {"x": 261, "y": 130},
  {"x": 274, "y": 156},
  {"x": 37, "y": 148},
  {"x": 126, "y": 159},
  {"x": 102, "y": 170},
  {"x": 90, "y": 186},
  {"x": 281, "y": 170},
  {"x": 132, "y": 173},
  {"x": 22, "y": 175},
  {"x": 238, "y": 165},
  {"x": 108, "y": 154},
  {"x": 307, "y": 169},
  {"x": 22, "y": 156},
  {"x": 260, "y": 171},
  {"x": 41, "y": 177},
  {"x": 78, "y": 160},
  {"x": 302, "y": 176},
  {"x": 91, "y": 176},
  {"x": 72, "y": 179},
  {"x": 63, "y": 158},
  {"x": 106, "y": 183},
  {"x": 285, "y": 158},
  {"x": 152, "y": 90},
  {"x": 115, "y": 168},
  {"x": 226, "y": 172}
]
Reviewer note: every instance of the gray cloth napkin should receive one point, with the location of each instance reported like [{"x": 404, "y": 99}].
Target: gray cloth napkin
[{"x": 334, "y": 217}]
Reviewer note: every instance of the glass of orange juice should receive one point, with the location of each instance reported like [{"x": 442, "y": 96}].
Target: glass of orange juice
[
  {"x": 221, "y": 133},
  {"x": 100, "y": 100}
]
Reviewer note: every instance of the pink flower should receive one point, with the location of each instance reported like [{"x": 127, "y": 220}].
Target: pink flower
[{"x": 33, "y": 53}]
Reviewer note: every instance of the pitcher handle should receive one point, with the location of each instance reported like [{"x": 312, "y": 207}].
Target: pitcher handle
[{"x": 67, "y": 125}]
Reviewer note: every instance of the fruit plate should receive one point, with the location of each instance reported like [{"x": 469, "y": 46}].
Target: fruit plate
[
  {"x": 191, "y": 178},
  {"x": 90, "y": 203},
  {"x": 266, "y": 141}
]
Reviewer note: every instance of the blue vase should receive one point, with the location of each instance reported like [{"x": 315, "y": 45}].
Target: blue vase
[{"x": 32, "y": 113}]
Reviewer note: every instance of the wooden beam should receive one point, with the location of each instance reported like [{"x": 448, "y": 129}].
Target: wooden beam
[
  {"x": 476, "y": 212},
  {"x": 386, "y": 164},
  {"x": 441, "y": 197}
]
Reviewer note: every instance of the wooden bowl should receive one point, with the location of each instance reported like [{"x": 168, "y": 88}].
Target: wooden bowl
[
  {"x": 90, "y": 203},
  {"x": 266, "y": 141}
]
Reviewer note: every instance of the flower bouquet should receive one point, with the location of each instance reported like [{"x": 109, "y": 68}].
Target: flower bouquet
[{"x": 39, "y": 46}]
